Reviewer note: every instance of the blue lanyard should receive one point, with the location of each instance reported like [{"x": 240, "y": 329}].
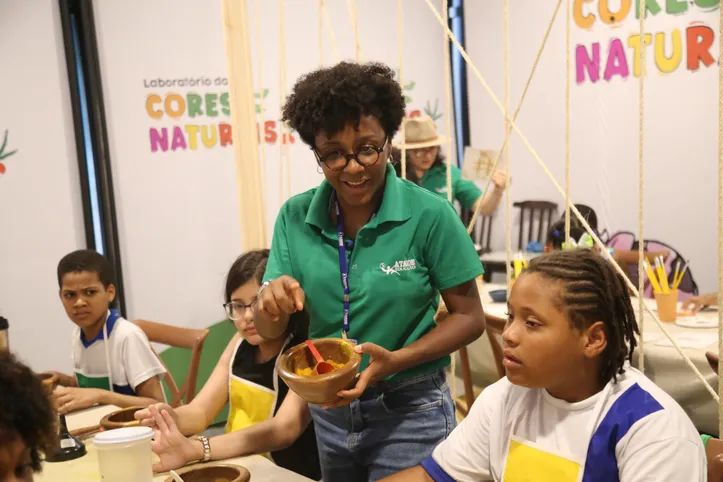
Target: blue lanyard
[{"x": 343, "y": 264}]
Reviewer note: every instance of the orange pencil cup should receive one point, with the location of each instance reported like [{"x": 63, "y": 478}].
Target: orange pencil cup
[{"x": 667, "y": 305}]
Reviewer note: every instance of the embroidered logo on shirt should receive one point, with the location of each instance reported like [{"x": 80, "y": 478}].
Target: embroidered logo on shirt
[
  {"x": 441, "y": 190},
  {"x": 398, "y": 266}
]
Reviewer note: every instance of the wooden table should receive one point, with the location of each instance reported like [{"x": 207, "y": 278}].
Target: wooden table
[
  {"x": 663, "y": 364},
  {"x": 85, "y": 469}
]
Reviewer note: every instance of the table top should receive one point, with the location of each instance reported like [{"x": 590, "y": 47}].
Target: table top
[
  {"x": 501, "y": 256},
  {"x": 85, "y": 469},
  {"x": 686, "y": 337}
]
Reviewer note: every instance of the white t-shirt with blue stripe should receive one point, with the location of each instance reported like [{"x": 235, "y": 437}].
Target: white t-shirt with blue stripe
[
  {"x": 131, "y": 358},
  {"x": 631, "y": 431}
]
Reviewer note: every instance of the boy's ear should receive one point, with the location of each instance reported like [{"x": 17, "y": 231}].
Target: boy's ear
[
  {"x": 111, "y": 293},
  {"x": 596, "y": 339}
]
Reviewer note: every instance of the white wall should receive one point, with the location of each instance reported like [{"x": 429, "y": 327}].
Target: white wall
[
  {"x": 680, "y": 131},
  {"x": 178, "y": 209},
  {"x": 40, "y": 210}
]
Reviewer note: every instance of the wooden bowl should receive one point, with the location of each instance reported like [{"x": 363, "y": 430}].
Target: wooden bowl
[
  {"x": 213, "y": 473},
  {"x": 320, "y": 389},
  {"x": 120, "y": 419}
]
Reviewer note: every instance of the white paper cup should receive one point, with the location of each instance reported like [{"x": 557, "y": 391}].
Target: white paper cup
[{"x": 124, "y": 454}]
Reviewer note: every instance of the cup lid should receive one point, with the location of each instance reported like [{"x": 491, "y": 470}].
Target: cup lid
[{"x": 123, "y": 435}]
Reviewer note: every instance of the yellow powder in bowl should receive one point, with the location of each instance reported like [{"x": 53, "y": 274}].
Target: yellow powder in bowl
[{"x": 307, "y": 372}]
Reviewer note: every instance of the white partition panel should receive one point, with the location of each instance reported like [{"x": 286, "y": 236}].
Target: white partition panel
[{"x": 41, "y": 216}]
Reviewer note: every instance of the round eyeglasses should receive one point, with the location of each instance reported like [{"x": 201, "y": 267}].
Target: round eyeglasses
[
  {"x": 367, "y": 156},
  {"x": 235, "y": 310}
]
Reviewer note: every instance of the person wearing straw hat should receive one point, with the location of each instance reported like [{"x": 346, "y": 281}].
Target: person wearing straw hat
[
  {"x": 368, "y": 255},
  {"x": 426, "y": 167}
]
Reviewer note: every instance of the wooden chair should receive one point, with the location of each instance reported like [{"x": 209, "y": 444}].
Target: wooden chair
[
  {"x": 495, "y": 327},
  {"x": 482, "y": 237},
  {"x": 540, "y": 210},
  {"x": 179, "y": 337},
  {"x": 712, "y": 360},
  {"x": 482, "y": 233}
]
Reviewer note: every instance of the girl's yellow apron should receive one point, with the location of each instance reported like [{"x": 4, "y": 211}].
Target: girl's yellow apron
[{"x": 250, "y": 403}]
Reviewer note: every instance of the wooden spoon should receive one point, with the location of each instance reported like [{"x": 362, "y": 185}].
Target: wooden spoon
[{"x": 321, "y": 366}]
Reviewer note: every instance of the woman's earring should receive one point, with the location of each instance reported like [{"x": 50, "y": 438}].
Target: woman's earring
[{"x": 319, "y": 170}]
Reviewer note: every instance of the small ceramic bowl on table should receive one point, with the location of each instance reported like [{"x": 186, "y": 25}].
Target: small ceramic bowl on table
[
  {"x": 296, "y": 368},
  {"x": 498, "y": 296}
]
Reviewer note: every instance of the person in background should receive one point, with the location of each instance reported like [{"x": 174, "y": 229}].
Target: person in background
[
  {"x": 113, "y": 362},
  {"x": 368, "y": 254},
  {"x": 27, "y": 421},
  {"x": 570, "y": 407},
  {"x": 264, "y": 415},
  {"x": 697, "y": 303},
  {"x": 426, "y": 167}
]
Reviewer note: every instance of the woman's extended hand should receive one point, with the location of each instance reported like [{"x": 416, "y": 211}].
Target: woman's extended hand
[
  {"x": 382, "y": 363},
  {"x": 282, "y": 295}
]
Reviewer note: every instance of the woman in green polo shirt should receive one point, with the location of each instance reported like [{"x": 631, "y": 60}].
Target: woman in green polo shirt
[
  {"x": 367, "y": 254},
  {"x": 426, "y": 167}
]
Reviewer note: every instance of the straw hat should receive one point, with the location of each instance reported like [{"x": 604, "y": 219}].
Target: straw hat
[{"x": 420, "y": 132}]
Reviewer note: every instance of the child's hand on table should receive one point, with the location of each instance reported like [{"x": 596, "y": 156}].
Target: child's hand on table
[{"x": 69, "y": 399}]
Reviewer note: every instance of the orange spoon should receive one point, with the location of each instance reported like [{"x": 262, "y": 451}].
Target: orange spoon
[{"x": 321, "y": 366}]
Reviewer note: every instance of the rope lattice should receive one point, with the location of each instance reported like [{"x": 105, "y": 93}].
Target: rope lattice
[
  {"x": 572, "y": 208},
  {"x": 502, "y": 151},
  {"x": 284, "y": 155},
  {"x": 641, "y": 185},
  {"x": 262, "y": 96},
  {"x": 720, "y": 223}
]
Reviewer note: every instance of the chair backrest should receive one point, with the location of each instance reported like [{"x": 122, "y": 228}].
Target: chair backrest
[
  {"x": 482, "y": 233},
  {"x": 542, "y": 211},
  {"x": 625, "y": 240},
  {"x": 495, "y": 327},
  {"x": 712, "y": 360},
  {"x": 179, "y": 337}
]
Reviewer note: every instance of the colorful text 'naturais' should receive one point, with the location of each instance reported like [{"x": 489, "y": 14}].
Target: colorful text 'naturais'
[
  {"x": 198, "y": 119},
  {"x": 689, "y": 45}
]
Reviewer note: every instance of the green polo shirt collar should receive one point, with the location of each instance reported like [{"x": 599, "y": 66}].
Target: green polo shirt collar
[{"x": 393, "y": 209}]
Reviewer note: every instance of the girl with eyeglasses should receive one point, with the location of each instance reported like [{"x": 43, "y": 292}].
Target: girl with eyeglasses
[{"x": 264, "y": 416}]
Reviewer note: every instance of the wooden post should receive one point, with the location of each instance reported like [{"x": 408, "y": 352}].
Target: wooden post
[{"x": 243, "y": 123}]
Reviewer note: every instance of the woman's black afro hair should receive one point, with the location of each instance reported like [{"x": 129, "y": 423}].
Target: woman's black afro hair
[{"x": 329, "y": 98}]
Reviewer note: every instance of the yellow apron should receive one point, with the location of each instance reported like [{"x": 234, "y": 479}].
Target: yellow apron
[
  {"x": 250, "y": 403},
  {"x": 530, "y": 462}
]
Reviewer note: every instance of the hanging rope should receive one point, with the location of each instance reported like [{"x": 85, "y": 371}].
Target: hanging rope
[
  {"x": 641, "y": 186},
  {"x": 568, "y": 76},
  {"x": 329, "y": 27},
  {"x": 508, "y": 197},
  {"x": 353, "y": 15},
  {"x": 320, "y": 26},
  {"x": 262, "y": 122},
  {"x": 503, "y": 150},
  {"x": 400, "y": 51},
  {"x": 284, "y": 171},
  {"x": 720, "y": 225},
  {"x": 448, "y": 118},
  {"x": 448, "y": 99},
  {"x": 573, "y": 209}
]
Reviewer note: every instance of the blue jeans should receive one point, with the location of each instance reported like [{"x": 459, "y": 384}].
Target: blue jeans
[{"x": 391, "y": 427}]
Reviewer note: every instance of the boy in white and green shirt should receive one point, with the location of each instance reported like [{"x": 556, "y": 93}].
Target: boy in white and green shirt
[{"x": 122, "y": 371}]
